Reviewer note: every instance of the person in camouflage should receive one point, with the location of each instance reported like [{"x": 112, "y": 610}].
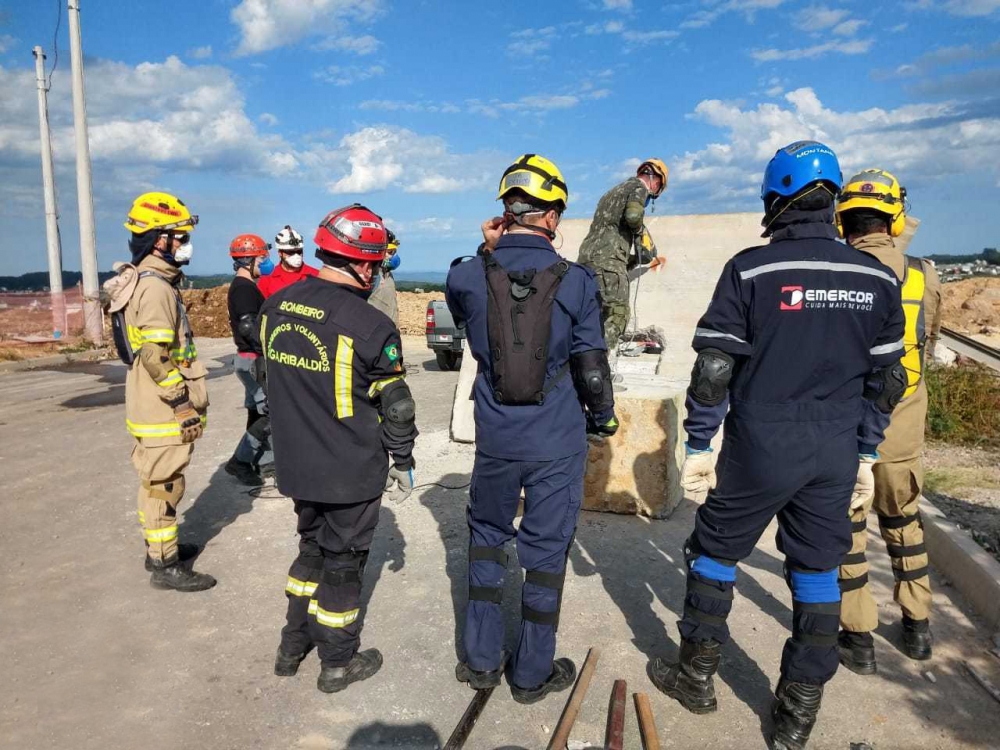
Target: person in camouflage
[{"x": 618, "y": 227}]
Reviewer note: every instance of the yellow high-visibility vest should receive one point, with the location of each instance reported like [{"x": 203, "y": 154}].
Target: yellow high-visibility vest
[{"x": 915, "y": 333}]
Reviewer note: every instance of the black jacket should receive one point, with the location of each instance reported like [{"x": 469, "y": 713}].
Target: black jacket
[{"x": 328, "y": 354}]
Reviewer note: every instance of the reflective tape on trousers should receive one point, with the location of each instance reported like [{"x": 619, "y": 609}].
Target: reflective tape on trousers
[{"x": 332, "y": 619}]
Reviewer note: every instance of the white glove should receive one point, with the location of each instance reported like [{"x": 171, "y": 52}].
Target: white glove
[
  {"x": 864, "y": 487},
  {"x": 698, "y": 471},
  {"x": 403, "y": 481}
]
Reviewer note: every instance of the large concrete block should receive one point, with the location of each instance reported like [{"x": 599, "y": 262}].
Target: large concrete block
[{"x": 638, "y": 470}]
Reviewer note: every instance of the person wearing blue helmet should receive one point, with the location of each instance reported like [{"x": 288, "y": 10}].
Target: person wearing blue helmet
[{"x": 799, "y": 353}]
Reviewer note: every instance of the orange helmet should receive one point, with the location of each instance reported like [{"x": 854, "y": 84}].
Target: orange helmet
[{"x": 248, "y": 246}]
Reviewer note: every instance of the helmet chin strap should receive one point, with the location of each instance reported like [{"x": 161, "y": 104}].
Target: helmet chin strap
[
  {"x": 350, "y": 273},
  {"x": 514, "y": 212}
]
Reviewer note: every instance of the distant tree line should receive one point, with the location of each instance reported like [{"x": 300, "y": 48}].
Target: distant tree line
[{"x": 991, "y": 255}]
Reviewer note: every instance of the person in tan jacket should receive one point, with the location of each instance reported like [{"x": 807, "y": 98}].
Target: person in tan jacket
[
  {"x": 166, "y": 399},
  {"x": 871, "y": 211}
]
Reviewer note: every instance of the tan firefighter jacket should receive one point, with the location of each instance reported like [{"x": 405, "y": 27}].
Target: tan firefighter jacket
[
  {"x": 921, "y": 293},
  {"x": 155, "y": 315}
]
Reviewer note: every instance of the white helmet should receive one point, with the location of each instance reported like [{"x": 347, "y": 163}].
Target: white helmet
[{"x": 288, "y": 239}]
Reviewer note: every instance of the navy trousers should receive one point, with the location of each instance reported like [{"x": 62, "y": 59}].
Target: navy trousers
[
  {"x": 801, "y": 470},
  {"x": 553, "y": 493}
]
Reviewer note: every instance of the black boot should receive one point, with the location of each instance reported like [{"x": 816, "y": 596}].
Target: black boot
[
  {"x": 243, "y": 472},
  {"x": 361, "y": 667},
  {"x": 563, "y": 676},
  {"x": 917, "y": 638},
  {"x": 478, "y": 680},
  {"x": 185, "y": 552},
  {"x": 690, "y": 680},
  {"x": 857, "y": 651},
  {"x": 174, "y": 575},
  {"x": 794, "y": 712},
  {"x": 287, "y": 666}
]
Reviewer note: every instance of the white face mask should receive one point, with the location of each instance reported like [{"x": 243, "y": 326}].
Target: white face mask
[
  {"x": 294, "y": 260},
  {"x": 183, "y": 253}
]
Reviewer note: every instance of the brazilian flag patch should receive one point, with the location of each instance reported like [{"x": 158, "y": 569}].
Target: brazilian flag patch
[{"x": 392, "y": 352}]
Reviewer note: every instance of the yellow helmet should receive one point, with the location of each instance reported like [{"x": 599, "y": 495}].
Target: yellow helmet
[
  {"x": 875, "y": 190},
  {"x": 160, "y": 211},
  {"x": 658, "y": 167},
  {"x": 536, "y": 176}
]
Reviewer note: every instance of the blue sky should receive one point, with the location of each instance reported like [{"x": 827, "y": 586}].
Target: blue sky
[{"x": 261, "y": 113}]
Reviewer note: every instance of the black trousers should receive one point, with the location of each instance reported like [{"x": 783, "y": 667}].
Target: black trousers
[{"x": 324, "y": 581}]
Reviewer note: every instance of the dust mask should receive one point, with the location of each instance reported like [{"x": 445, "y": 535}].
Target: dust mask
[
  {"x": 182, "y": 255},
  {"x": 294, "y": 260}
]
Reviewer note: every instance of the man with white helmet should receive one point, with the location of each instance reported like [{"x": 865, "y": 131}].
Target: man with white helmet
[{"x": 292, "y": 268}]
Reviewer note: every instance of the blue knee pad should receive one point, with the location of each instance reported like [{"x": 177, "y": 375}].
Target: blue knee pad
[
  {"x": 814, "y": 587},
  {"x": 708, "y": 567}
]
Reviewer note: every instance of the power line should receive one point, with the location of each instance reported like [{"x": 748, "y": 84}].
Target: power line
[{"x": 55, "y": 44}]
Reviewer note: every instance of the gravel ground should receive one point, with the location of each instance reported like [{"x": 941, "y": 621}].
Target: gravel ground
[{"x": 965, "y": 484}]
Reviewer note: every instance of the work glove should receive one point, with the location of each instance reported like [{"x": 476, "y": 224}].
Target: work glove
[
  {"x": 605, "y": 425},
  {"x": 402, "y": 480},
  {"x": 189, "y": 421},
  {"x": 864, "y": 487},
  {"x": 698, "y": 471}
]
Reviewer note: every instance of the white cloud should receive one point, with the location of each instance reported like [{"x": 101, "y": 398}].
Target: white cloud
[
  {"x": 377, "y": 158},
  {"x": 430, "y": 226},
  {"x": 713, "y": 9},
  {"x": 340, "y": 75},
  {"x": 899, "y": 28},
  {"x": 201, "y": 53},
  {"x": 268, "y": 119},
  {"x": 965, "y": 8},
  {"x": 395, "y": 105},
  {"x": 617, "y": 4},
  {"x": 817, "y": 17},
  {"x": 849, "y": 28},
  {"x": 649, "y": 37},
  {"x": 927, "y": 141},
  {"x": 532, "y": 42},
  {"x": 530, "y": 104},
  {"x": 269, "y": 24},
  {"x": 852, "y": 47},
  {"x": 358, "y": 45},
  {"x": 6, "y": 42}
]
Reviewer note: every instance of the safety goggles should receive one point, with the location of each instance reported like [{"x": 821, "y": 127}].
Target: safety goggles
[{"x": 289, "y": 251}]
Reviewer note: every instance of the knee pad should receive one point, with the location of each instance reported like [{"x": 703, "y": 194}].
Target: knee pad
[
  {"x": 815, "y": 607},
  {"x": 492, "y": 594},
  {"x": 552, "y": 581}
]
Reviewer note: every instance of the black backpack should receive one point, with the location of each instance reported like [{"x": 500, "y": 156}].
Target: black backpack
[{"x": 519, "y": 319}]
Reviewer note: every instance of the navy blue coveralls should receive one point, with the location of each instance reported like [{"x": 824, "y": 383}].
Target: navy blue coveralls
[
  {"x": 807, "y": 319},
  {"x": 541, "y": 449}
]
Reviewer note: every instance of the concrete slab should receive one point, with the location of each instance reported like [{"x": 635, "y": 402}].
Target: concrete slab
[{"x": 94, "y": 659}]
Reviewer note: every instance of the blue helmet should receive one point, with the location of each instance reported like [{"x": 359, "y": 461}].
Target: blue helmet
[{"x": 798, "y": 166}]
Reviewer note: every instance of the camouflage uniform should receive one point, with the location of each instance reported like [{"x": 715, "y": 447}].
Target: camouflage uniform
[{"x": 607, "y": 250}]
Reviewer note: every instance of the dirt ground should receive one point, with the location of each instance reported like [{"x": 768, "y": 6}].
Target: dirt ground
[
  {"x": 972, "y": 306},
  {"x": 94, "y": 659},
  {"x": 965, "y": 484}
]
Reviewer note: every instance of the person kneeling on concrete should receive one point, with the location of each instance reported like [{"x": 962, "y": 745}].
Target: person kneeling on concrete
[
  {"x": 534, "y": 327},
  {"x": 871, "y": 211},
  {"x": 808, "y": 380},
  {"x": 250, "y": 261},
  {"x": 340, "y": 407}
]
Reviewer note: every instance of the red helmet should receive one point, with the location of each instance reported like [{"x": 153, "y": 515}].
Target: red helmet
[
  {"x": 353, "y": 232},
  {"x": 248, "y": 246}
]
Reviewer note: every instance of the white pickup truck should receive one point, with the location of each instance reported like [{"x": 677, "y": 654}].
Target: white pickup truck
[{"x": 445, "y": 338}]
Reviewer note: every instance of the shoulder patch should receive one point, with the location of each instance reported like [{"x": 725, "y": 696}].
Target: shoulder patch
[{"x": 306, "y": 312}]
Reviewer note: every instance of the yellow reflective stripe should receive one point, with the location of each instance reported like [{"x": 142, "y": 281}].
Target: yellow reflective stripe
[
  {"x": 332, "y": 619},
  {"x": 142, "y": 518},
  {"x": 134, "y": 338},
  {"x": 157, "y": 335},
  {"x": 166, "y": 429},
  {"x": 378, "y": 385},
  {"x": 160, "y": 535},
  {"x": 173, "y": 378},
  {"x": 343, "y": 375},
  {"x": 913, "y": 307},
  {"x": 295, "y": 587}
]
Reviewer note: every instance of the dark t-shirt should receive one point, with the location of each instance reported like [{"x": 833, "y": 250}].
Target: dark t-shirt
[{"x": 244, "y": 299}]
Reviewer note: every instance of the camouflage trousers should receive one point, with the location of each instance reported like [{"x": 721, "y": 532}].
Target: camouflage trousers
[{"x": 613, "y": 283}]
